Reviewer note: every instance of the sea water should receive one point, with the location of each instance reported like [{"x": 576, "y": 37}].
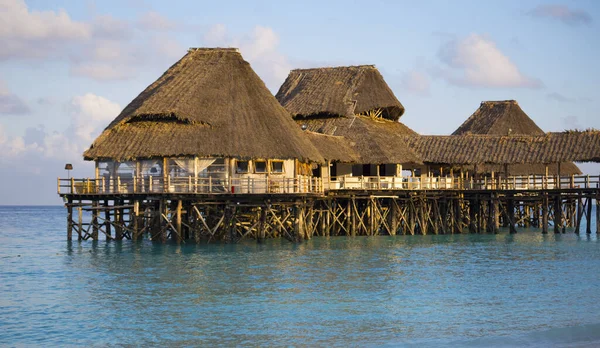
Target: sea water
[{"x": 526, "y": 289}]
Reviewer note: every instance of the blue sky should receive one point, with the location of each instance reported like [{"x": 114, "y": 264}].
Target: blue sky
[{"x": 68, "y": 67}]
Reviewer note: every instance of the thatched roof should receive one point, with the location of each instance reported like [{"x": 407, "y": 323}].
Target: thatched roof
[
  {"x": 209, "y": 103},
  {"x": 374, "y": 141},
  {"x": 339, "y": 91},
  {"x": 505, "y": 117},
  {"x": 521, "y": 149}
]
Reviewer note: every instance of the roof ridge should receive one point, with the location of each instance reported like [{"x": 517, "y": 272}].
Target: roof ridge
[
  {"x": 507, "y": 101},
  {"x": 364, "y": 66},
  {"x": 213, "y": 49}
]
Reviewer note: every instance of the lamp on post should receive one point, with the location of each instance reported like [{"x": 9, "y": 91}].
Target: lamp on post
[{"x": 68, "y": 168}]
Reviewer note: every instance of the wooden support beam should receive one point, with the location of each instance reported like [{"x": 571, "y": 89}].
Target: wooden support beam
[
  {"x": 107, "y": 220},
  {"x": 118, "y": 215},
  {"x": 588, "y": 227},
  {"x": 558, "y": 219},
  {"x": 69, "y": 219},
  {"x": 510, "y": 214},
  {"x": 579, "y": 213},
  {"x": 178, "y": 209},
  {"x": 545, "y": 203},
  {"x": 95, "y": 220},
  {"x": 472, "y": 214},
  {"x": 262, "y": 224}
]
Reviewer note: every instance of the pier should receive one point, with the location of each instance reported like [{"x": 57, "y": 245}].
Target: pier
[{"x": 305, "y": 207}]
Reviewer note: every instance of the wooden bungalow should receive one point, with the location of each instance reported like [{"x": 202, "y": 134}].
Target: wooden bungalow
[
  {"x": 207, "y": 125},
  {"x": 506, "y": 118},
  {"x": 352, "y": 117}
]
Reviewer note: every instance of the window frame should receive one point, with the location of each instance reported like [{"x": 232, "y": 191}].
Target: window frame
[
  {"x": 237, "y": 167},
  {"x": 266, "y": 170},
  {"x": 271, "y": 169}
]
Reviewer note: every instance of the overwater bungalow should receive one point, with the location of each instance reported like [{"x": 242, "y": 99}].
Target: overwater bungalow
[
  {"x": 207, "y": 125},
  {"x": 206, "y": 152},
  {"x": 352, "y": 116}
]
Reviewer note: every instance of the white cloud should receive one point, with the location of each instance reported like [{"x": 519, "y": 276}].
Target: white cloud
[
  {"x": 476, "y": 61},
  {"x": 10, "y": 104},
  {"x": 32, "y": 34},
  {"x": 562, "y": 13},
  {"x": 105, "y": 48},
  {"x": 155, "y": 21},
  {"x": 416, "y": 82},
  {"x": 89, "y": 114},
  {"x": 260, "y": 48}
]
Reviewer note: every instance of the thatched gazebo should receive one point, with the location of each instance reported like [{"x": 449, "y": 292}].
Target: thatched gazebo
[
  {"x": 209, "y": 118},
  {"x": 506, "y": 118},
  {"x": 353, "y": 110}
]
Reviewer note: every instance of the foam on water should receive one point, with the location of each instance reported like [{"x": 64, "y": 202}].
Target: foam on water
[{"x": 526, "y": 289}]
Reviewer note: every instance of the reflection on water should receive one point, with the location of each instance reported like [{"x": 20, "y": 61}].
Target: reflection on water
[{"x": 465, "y": 290}]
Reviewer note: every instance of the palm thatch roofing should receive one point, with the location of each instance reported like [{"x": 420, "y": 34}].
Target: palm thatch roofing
[
  {"x": 209, "y": 104},
  {"x": 338, "y": 91},
  {"x": 505, "y": 117},
  {"x": 519, "y": 149},
  {"x": 361, "y": 139}
]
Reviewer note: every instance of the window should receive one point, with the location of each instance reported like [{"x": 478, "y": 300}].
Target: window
[
  {"x": 242, "y": 167},
  {"x": 260, "y": 166},
  {"x": 277, "y": 167}
]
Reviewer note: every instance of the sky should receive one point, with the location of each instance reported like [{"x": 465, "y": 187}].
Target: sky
[{"x": 67, "y": 68}]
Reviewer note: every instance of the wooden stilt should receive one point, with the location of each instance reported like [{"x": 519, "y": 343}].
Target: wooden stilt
[
  {"x": 579, "y": 213},
  {"x": 70, "y": 219},
  {"x": 107, "y": 220},
  {"x": 178, "y": 234},
  {"x": 510, "y": 211},
  {"x": 588, "y": 227},
  {"x": 95, "y": 220},
  {"x": 557, "y": 213},
  {"x": 545, "y": 213}
]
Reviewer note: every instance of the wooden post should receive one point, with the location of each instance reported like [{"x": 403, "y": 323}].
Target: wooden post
[
  {"x": 491, "y": 214},
  {"x": 472, "y": 213},
  {"x": 588, "y": 228},
  {"x": 510, "y": 211},
  {"x": 557, "y": 213},
  {"x": 118, "y": 215},
  {"x": 79, "y": 222},
  {"x": 107, "y": 220},
  {"x": 545, "y": 203},
  {"x": 69, "y": 219},
  {"x": 298, "y": 223},
  {"x": 262, "y": 224},
  {"x": 178, "y": 236},
  {"x": 135, "y": 220},
  {"x": 579, "y": 213},
  {"x": 95, "y": 220}
]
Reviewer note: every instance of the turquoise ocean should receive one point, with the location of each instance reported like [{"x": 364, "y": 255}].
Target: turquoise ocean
[{"x": 465, "y": 290}]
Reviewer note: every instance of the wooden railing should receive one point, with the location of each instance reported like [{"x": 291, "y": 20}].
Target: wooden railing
[
  {"x": 531, "y": 182},
  {"x": 306, "y": 184},
  {"x": 155, "y": 184}
]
